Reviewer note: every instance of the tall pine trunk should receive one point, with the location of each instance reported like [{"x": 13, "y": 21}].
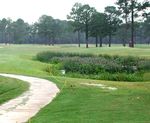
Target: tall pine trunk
[
  {"x": 101, "y": 41},
  {"x": 49, "y": 40},
  {"x": 79, "y": 41},
  {"x": 53, "y": 41},
  {"x": 126, "y": 31},
  {"x": 132, "y": 24},
  {"x": 86, "y": 34},
  {"x": 96, "y": 41},
  {"x": 126, "y": 26},
  {"x": 5, "y": 39},
  {"x": 110, "y": 40}
]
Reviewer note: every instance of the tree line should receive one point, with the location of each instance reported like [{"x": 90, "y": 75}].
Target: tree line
[
  {"x": 117, "y": 24},
  {"x": 86, "y": 19},
  {"x": 46, "y": 31}
]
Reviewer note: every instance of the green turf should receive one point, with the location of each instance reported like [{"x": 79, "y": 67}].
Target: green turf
[
  {"x": 11, "y": 88},
  {"x": 77, "y": 103},
  {"x": 19, "y": 58},
  {"x": 81, "y": 104}
]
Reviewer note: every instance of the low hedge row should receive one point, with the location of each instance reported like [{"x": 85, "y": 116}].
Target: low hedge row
[
  {"x": 112, "y": 77},
  {"x": 118, "y": 67}
]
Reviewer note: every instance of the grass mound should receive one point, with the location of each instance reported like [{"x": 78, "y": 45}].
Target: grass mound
[{"x": 11, "y": 88}]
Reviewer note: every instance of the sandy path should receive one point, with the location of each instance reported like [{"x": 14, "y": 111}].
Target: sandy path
[{"x": 19, "y": 110}]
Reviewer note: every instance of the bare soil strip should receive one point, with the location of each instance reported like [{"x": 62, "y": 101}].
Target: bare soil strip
[{"x": 100, "y": 85}]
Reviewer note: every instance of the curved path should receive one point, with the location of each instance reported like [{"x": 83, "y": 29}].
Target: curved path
[{"x": 21, "y": 109}]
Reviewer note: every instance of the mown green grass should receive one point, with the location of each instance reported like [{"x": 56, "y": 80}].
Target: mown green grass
[
  {"x": 11, "y": 88},
  {"x": 82, "y": 104},
  {"x": 19, "y": 58},
  {"x": 77, "y": 103},
  {"x": 139, "y": 50}
]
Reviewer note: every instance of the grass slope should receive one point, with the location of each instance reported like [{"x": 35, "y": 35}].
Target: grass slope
[
  {"x": 11, "y": 88},
  {"x": 82, "y": 104}
]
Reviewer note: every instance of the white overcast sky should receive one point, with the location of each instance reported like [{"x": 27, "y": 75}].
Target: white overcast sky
[{"x": 31, "y": 10}]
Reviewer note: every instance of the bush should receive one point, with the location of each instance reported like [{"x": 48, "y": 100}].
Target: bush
[
  {"x": 47, "y": 56},
  {"x": 144, "y": 65},
  {"x": 117, "y": 68},
  {"x": 108, "y": 76},
  {"x": 52, "y": 70},
  {"x": 78, "y": 67}
]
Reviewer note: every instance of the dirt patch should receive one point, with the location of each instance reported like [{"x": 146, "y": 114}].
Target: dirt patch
[{"x": 100, "y": 85}]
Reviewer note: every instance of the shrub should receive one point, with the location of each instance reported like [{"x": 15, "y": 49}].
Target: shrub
[
  {"x": 108, "y": 76},
  {"x": 117, "y": 68},
  {"x": 52, "y": 70},
  {"x": 144, "y": 65},
  {"x": 47, "y": 56}
]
